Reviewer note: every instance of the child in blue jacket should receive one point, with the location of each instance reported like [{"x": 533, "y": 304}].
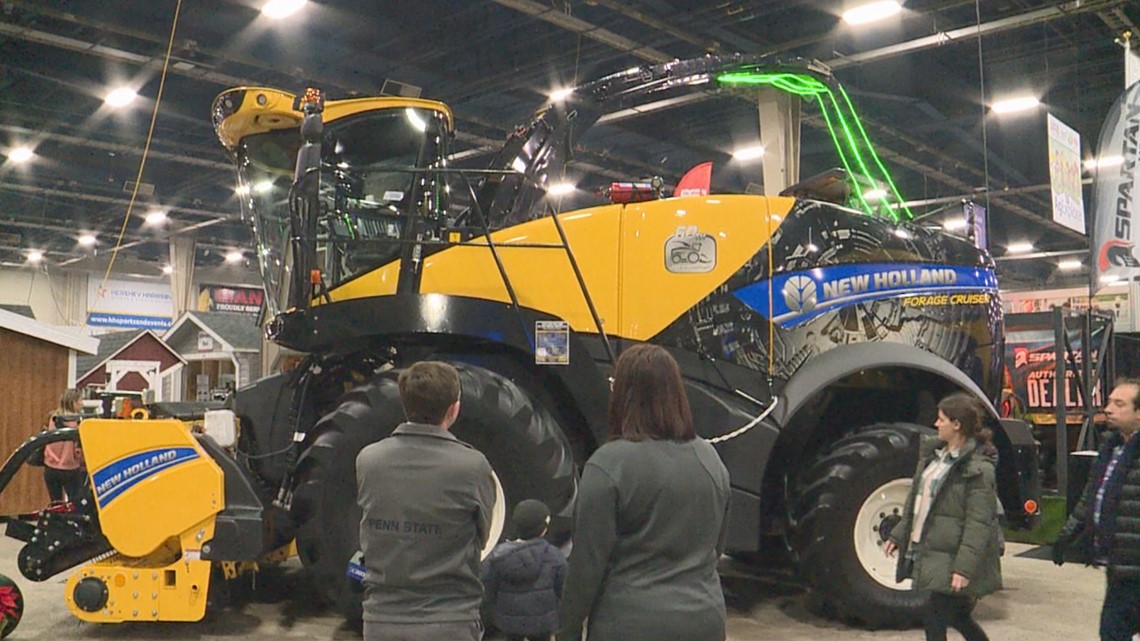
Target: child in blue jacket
[{"x": 523, "y": 577}]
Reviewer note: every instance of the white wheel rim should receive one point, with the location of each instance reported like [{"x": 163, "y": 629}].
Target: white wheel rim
[
  {"x": 498, "y": 518},
  {"x": 888, "y": 499}
]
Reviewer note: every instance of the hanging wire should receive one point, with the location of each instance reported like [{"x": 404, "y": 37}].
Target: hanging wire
[{"x": 146, "y": 147}]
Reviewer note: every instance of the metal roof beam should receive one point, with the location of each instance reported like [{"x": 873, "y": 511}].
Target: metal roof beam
[{"x": 1060, "y": 10}]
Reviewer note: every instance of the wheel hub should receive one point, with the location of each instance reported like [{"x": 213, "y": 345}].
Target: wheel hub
[{"x": 879, "y": 514}]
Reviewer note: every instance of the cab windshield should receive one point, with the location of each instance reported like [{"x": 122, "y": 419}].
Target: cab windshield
[{"x": 371, "y": 176}]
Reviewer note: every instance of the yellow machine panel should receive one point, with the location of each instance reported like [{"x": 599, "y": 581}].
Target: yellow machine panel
[
  {"x": 644, "y": 264},
  {"x": 263, "y": 109},
  {"x": 676, "y": 252},
  {"x": 171, "y": 584},
  {"x": 151, "y": 480},
  {"x": 542, "y": 277}
]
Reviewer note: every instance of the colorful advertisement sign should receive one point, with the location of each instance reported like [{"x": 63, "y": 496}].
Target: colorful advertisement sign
[
  {"x": 1065, "y": 175},
  {"x": 1031, "y": 362},
  {"x": 129, "y": 304},
  {"x": 238, "y": 300}
]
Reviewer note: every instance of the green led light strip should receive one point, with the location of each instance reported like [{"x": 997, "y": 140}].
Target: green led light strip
[{"x": 839, "y": 116}]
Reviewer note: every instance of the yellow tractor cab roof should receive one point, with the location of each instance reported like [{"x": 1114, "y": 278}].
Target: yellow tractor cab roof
[{"x": 245, "y": 111}]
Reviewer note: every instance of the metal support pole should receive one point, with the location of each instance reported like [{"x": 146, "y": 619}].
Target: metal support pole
[
  {"x": 779, "y": 114},
  {"x": 1060, "y": 398}
]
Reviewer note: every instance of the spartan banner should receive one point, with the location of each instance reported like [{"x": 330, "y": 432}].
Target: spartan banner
[{"x": 1114, "y": 191}]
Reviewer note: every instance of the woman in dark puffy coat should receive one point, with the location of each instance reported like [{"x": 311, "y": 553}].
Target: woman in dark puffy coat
[{"x": 948, "y": 539}]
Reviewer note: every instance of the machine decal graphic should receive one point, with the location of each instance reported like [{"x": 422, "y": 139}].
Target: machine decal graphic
[
  {"x": 842, "y": 277},
  {"x": 688, "y": 251},
  {"x": 802, "y": 296},
  {"x": 113, "y": 479}
]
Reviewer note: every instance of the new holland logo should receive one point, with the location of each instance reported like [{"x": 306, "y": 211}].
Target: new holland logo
[{"x": 800, "y": 294}]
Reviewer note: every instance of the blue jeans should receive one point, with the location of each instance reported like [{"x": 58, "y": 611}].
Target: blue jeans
[{"x": 1121, "y": 611}]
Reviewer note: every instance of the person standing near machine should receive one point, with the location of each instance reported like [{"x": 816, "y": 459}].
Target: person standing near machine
[
  {"x": 426, "y": 499},
  {"x": 64, "y": 472},
  {"x": 650, "y": 521},
  {"x": 1104, "y": 524},
  {"x": 948, "y": 538}
]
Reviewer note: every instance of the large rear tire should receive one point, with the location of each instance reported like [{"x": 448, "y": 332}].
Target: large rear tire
[
  {"x": 521, "y": 440},
  {"x": 848, "y": 501}
]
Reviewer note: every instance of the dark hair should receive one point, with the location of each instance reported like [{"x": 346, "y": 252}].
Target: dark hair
[
  {"x": 427, "y": 390},
  {"x": 1134, "y": 382},
  {"x": 968, "y": 411},
  {"x": 648, "y": 399}
]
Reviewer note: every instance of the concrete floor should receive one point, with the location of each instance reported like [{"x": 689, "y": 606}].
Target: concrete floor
[{"x": 1040, "y": 601}]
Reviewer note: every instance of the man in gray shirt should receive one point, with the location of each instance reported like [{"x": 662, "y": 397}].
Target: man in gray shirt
[{"x": 426, "y": 498}]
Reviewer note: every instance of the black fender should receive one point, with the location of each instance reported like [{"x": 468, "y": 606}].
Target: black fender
[
  {"x": 455, "y": 324},
  {"x": 834, "y": 365},
  {"x": 1018, "y": 480},
  {"x": 718, "y": 413}
]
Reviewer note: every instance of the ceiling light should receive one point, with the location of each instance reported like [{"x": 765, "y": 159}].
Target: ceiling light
[
  {"x": 1019, "y": 248},
  {"x": 87, "y": 240},
  {"x": 263, "y": 187},
  {"x": 120, "y": 97},
  {"x": 278, "y": 9},
  {"x": 903, "y": 234},
  {"x": 35, "y": 256},
  {"x": 558, "y": 95},
  {"x": 156, "y": 218},
  {"x": 749, "y": 153},
  {"x": 167, "y": 269},
  {"x": 235, "y": 257},
  {"x": 417, "y": 121},
  {"x": 875, "y": 194},
  {"x": 871, "y": 12},
  {"x": 1109, "y": 279},
  {"x": 21, "y": 154},
  {"x": 1069, "y": 265},
  {"x": 1104, "y": 162},
  {"x": 242, "y": 191},
  {"x": 1013, "y": 105},
  {"x": 560, "y": 189},
  {"x": 954, "y": 224}
]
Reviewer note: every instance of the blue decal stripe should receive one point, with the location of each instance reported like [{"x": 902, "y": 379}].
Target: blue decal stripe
[
  {"x": 113, "y": 479},
  {"x": 797, "y": 297},
  {"x": 850, "y": 300}
]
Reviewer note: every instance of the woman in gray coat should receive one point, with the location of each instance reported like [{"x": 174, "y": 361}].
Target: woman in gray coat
[
  {"x": 948, "y": 538},
  {"x": 649, "y": 524}
]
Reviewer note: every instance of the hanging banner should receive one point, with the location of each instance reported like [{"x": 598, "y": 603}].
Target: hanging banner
[
  {"x": 1114, "y": 191},
  {"x": 238, "y": 300},
  {"x": 1065, "y": 175},
  {"x": 129, "y": 304}
]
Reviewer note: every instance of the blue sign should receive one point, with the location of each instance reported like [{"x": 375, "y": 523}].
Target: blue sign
[
  {"x": 101, "y": 319},
  {"x": 798, "y": 297},
  {"x": 111, "y": 480}
]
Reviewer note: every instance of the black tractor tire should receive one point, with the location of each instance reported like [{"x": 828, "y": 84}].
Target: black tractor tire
[
  {"x": 857, "y": 473},
  {"x": 522, "y": 441},
  {"x": 11, "y": 606}
]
